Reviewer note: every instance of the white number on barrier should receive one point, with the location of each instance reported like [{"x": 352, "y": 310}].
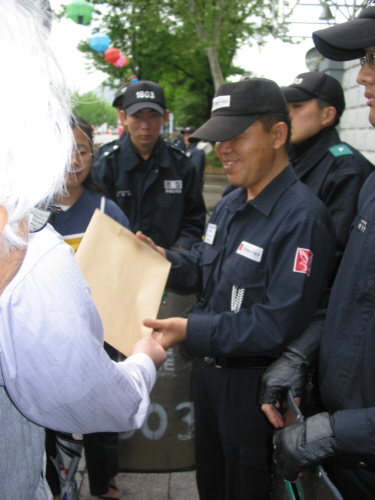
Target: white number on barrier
[
  {"x": 163, "y": 422},
  {"x": 189, "y": 419}
]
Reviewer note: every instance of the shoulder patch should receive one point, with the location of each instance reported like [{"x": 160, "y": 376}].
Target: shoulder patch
[{"x": 340, "y": 150}]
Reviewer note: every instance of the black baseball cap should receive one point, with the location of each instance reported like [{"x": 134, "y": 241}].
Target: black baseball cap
[
  {"x": 347, "y": 41},
  {"x": 316, "y": 85},
  {"x": 238, "y": 105},
  {"x": 190, "y": 130},
  {"x": 118, "y": 100},
  {"x": 144, "y": 94}
]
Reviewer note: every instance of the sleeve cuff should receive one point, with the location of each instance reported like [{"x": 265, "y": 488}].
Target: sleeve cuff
[
  {"x": 353, "y": 432},
  {"x": 198, "y": 335}
]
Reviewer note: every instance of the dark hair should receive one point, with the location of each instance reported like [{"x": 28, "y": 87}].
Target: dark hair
[
  {"x": 91, "y": 183},
  {"x": 321, "y": 103},
  {"x": 268, "y": 120}
]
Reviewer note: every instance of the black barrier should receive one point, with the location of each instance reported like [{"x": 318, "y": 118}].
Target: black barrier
[
  {"x": 314, "y": 484},
  {"x": 165, "y": 443}
]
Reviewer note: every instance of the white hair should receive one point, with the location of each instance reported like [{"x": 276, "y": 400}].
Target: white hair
[{"x": 35, "y": 134}]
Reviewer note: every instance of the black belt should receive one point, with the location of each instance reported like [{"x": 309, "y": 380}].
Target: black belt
[{"x": 241, "y": 362}]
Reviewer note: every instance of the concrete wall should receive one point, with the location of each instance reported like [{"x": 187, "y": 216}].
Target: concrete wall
[{"x": 355, "y": 128}]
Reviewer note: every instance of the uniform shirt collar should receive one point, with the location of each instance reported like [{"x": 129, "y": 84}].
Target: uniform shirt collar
[
  {"x": 267, "y": 199},
  {"x": 132, "y": 159}
]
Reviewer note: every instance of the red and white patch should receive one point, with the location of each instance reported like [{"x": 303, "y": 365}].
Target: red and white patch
[{"x": 303, "y": 260}]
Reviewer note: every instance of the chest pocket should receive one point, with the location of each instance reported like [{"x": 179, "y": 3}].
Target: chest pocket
[{"x": 243, "y": 273}]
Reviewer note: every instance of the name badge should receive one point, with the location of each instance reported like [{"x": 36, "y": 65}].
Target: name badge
[
  {"x": 361, "y": 225},
  {"x": 123, "y": 194},
  {"x": 210, "y": 234},
  {"x": 173, "y": 187},
  {"x": 250, "y": 251}
]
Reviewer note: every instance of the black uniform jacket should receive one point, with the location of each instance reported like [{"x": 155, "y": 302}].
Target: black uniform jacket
[
  {"x": 347, "y": 350},
  {"x": 261, "y": 270},
  {"x": 335, "y": 171},
  {"x": 167, "y": 204}
]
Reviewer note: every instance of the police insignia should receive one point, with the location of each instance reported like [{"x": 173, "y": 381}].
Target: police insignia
[{"x": 340, "y": 150}]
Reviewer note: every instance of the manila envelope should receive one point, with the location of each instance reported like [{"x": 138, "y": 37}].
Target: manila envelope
[{"x": 127, "y": 279}]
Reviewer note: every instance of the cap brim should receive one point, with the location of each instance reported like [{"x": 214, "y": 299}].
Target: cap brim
[
  {"x": 347, "y": 41},
  {"x": 134, "y": 108},
  {"x": 294, "y": 94},
  {"x": 221, "y": 128},
  {"x": 117, "y": 101}
]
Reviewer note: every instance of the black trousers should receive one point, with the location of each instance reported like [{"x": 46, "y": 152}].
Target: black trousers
[
  {"x": 233, "y": 437},
  {"x": 354, "y": 483},
  {"x": 101, "y": 453}
]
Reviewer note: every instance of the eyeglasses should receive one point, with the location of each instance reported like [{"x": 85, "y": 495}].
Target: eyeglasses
[
  {"x": 40, "y": 215},
  {"x": 369, "y": 58},
  {"x": 81, "y": 154}
]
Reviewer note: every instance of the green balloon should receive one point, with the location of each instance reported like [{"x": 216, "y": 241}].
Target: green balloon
[{"x": 79, "y": 11}]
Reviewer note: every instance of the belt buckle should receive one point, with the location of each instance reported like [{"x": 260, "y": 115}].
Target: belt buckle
[{"x": 211, "y": 361}]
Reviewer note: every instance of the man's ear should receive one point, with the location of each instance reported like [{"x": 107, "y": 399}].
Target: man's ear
[
  {"x": 280, "y": 131},
  {"x": 123, "y": 117},
  {"x": 3, "y": 218},
  {"x": 329, "y": 116}
]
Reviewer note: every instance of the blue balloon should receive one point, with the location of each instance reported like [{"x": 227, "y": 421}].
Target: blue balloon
[{"x": 99, "y": 42}]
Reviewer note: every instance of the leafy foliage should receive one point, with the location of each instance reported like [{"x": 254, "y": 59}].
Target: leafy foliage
[
  {"x": 94, "y": 110},
  {"x": 187, "y": 46}
]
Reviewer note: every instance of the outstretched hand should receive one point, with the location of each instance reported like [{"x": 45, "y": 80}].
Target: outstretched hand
[
  {"x": 150, "y": 243},
  {"x": 168, "y": 332},
  {"x": 153, "y": 349}
]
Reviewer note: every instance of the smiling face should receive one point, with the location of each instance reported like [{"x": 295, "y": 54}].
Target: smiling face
[
  {"x": 252, "y": 158},
  {"x": 308, "y": 119},
  {"x": 366, "y": 77}
]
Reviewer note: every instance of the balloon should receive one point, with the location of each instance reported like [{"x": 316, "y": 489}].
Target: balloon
[
  {"x": 121, "y": 61},
  {"x": 112, "y": 54},
  {"x": 99, "y": 42},
  {"x": 79, "y": 11}
]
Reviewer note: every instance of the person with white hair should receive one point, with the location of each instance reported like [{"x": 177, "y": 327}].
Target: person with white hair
[{"x": 54, "y": 371}]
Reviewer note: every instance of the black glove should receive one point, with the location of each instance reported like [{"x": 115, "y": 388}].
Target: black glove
[
  {"x": 290, "y": 371},
  {"x": 301, "y": 445}
]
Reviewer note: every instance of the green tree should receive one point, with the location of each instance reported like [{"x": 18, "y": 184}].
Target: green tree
[
  {"x": 93, "y": 109},
  {"x": 187, "y": 46}
]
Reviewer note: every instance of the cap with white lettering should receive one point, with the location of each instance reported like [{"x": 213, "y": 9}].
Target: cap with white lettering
[
  {"x": 238, "y": 105},
  {"x": 144, "y": 94},
  {"x": 316, "y": 85}
]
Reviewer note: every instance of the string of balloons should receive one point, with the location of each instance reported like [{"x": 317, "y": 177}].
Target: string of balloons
[{"x": 80, "y": 11}]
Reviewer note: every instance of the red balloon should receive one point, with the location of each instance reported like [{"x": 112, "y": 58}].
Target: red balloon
[{"x": 112, "y": 54}]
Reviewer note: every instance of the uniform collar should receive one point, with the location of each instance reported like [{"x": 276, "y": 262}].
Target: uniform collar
[
  {"x": 131, "y": 158},
  {"x": 267, "y": 199},
  {"x": 307, "y": 154}
]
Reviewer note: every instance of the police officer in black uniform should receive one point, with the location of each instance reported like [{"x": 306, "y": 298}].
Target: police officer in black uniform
[
  {"x": 344, "y": 435},
  {"x": 260, "y": 273},
  {"x": 333, "y": 169},
  {"x": 153, "y": 182}
]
